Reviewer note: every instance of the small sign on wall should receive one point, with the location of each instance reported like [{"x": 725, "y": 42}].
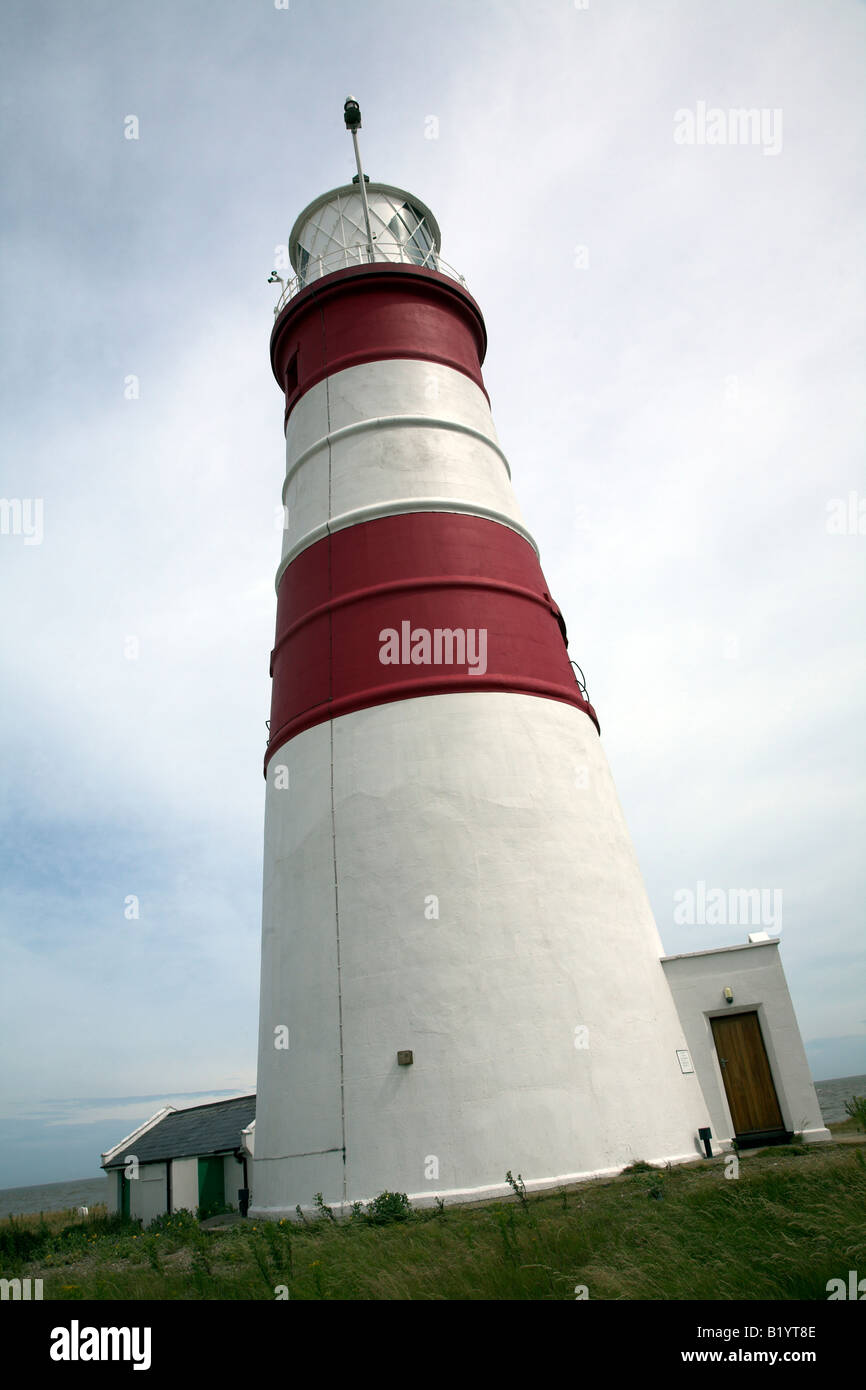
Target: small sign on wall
[{"x": 685, "y": 1061}]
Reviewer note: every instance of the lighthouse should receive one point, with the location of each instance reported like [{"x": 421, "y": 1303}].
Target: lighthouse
[{"x": 461, "y": 971}]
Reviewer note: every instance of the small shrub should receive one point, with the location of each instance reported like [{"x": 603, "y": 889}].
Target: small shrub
[
  {"x": 18, "y": 1243},
  {"x": 856, "y": 1109},
  {"x": 388, "y": 1206},
  {"x": 174, "y": 1223},
  {"x": 212, "y": 1209}
]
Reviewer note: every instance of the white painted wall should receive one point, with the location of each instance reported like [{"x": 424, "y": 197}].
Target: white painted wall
[
  {"x": 754, "y": 974},
  {"x": 184, "y": 1184},
  {"x": 501, "y": 806},
  {"x": 147, "y": 1193},
  {"x": 339, "y": 479},
  {"x": 234, "y": 1178}
]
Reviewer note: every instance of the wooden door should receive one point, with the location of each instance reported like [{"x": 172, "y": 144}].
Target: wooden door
[{"x": 748, "y": 1080}]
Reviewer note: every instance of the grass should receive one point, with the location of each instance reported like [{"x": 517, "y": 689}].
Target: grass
[
  {"x": 789, "y": 1223},
  {"x": 842, "y": 1127}
]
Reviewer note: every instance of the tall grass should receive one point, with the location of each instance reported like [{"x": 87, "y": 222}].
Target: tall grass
[{"x": 789, "y": 1223}]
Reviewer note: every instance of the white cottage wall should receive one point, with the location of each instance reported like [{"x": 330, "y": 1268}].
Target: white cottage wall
[
  {"x": 184, "y": 1184},
  {"x": 147, "y": 1193}
]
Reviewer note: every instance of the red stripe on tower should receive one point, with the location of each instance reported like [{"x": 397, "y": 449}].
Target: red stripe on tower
[
  {"x": 374, "y": 313},
  {"x": 448, "y": 586}
]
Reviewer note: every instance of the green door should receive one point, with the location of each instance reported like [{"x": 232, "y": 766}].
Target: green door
[
  {"x": 123, "y": 1194},
  {"x": 211, "y": 1185}
]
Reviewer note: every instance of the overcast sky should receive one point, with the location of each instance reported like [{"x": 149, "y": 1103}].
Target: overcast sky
[{"x": 675, "y": 370}]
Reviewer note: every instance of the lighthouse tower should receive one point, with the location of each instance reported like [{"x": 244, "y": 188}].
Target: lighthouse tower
[{"x": 460, "y": 967}]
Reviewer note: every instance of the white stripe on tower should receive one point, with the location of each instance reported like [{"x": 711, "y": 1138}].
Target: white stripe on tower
[{"x": 389, "y": 437}]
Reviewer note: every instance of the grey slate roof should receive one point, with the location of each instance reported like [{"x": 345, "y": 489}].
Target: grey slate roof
[{"x": 201, "y": 1130}]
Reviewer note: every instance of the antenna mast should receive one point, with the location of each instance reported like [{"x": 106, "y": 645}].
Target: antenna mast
[{"x": 352, "y": 117}]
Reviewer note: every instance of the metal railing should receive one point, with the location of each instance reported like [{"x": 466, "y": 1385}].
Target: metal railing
[{"x": 384, "y": 253}]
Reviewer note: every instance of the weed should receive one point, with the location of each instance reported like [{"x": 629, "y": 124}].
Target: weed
[
  {"x": 517, "y": 1185},
  {"x": 150, "y": 1248},
  {"x": 201, "y": 1254},
  {"x": 174, "y": 1222},
  {"x": 326, "y": 1213},
  {"x": 505, "y": 1222},
  {"x": 856, "y": 1109},
  {"x": 261, "y": 1262}
]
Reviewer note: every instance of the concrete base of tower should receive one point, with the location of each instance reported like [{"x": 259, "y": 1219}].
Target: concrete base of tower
[
  {"x": 460, "y": 969},
  {"x": 431, "y": 1196}
]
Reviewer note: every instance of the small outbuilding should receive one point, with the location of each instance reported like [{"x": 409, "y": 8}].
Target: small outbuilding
[
  {"x": 745, "y": 1044},
  {"x": 196, "y": 1159}
]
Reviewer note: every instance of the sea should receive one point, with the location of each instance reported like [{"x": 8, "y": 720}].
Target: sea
[
  {"x": 832, "y": 1096},
  {"x": 88, "y": 1192},
  {"x": 53, "y": 1196}
]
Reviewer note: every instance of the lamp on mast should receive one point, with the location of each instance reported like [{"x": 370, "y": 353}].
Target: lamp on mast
[{"x": 352, "y": 117}]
